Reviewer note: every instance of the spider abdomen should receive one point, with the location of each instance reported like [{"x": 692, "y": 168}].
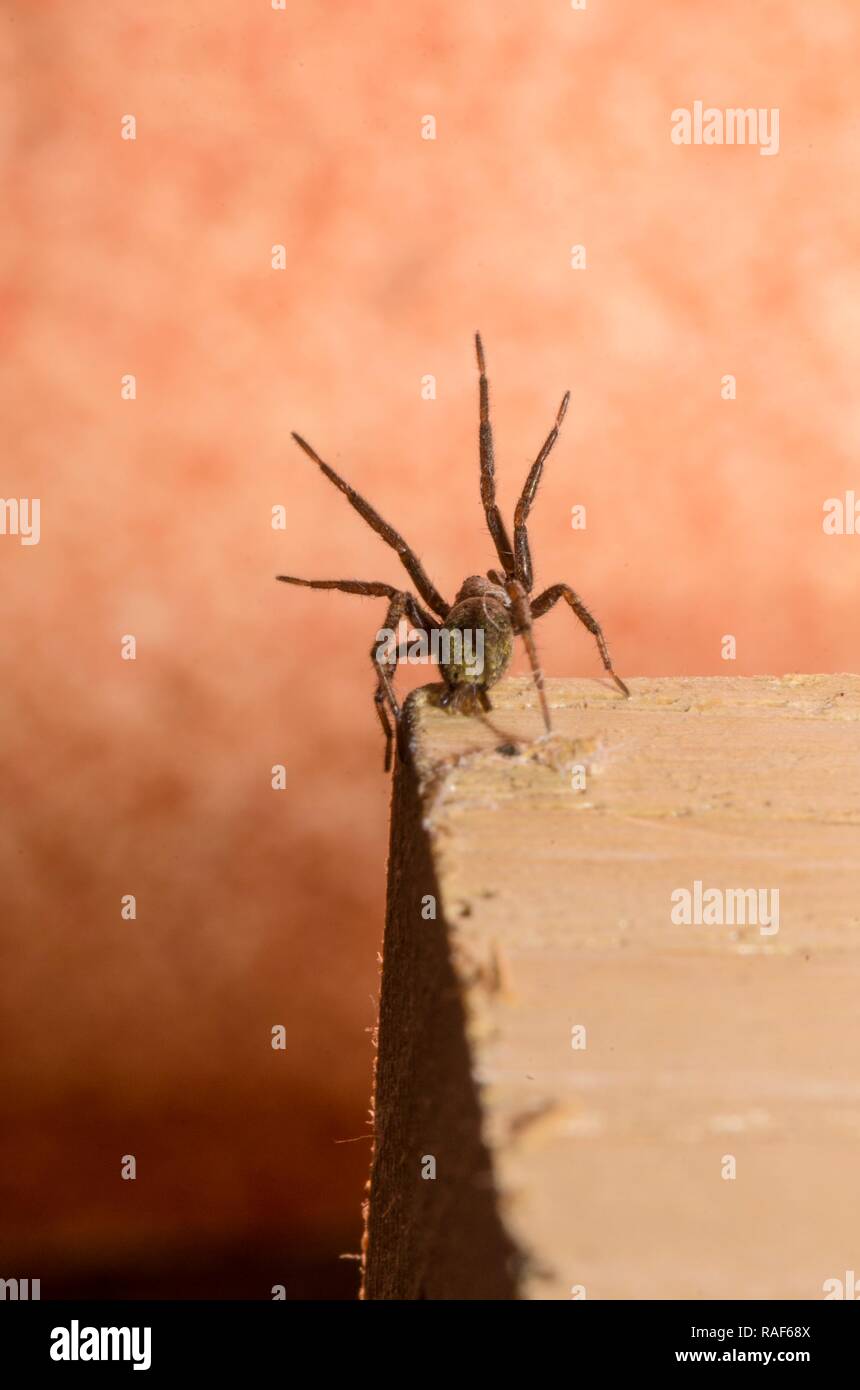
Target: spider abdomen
[{"x": 477, "y": 649}]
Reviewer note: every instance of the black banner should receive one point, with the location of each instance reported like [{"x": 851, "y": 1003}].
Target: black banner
[{"x": 161, "y": 1339}]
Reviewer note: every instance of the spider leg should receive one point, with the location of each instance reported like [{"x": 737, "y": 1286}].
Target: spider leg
[
  {"x": 412, "y": 564},
  {"x": 521, "y": 616},
  {"x": 521, "y": 541},
  {"x": 372, "y": 589},
  {"x": 544, "y": 602},
  {"x": 496, "y": 526},
  {"x": 401, "y": 603}
]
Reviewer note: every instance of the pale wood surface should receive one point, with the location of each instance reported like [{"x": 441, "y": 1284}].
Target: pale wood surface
[{"x": 602, "y": 1167}]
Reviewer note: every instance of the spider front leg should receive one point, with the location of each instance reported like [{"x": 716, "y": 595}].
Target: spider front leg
[
  {"x": 401, "y": 604},
  {"x": 521, "y": 617},
  {"x": 523, "y": 561},
  {"x": 409, "y": 559},
  {"x": 495, "y": 524},
  {"x": 545, "y": 601}
]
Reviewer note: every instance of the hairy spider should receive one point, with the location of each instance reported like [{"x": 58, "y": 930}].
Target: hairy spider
[{"x": 495, "y": 609}]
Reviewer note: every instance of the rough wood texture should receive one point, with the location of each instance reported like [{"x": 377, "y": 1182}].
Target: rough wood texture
[{"x": 601, "y": 1166}]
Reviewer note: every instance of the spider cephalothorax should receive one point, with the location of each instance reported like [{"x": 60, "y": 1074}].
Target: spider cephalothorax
[{"x": 475, "y": 633}]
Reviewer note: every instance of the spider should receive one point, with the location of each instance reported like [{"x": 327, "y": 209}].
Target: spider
[{"x": 496, "y": 608}]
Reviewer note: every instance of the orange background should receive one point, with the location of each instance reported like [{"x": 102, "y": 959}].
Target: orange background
[{"x": 302, "y": 127}]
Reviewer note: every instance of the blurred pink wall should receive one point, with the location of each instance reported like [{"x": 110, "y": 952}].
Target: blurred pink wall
[{"x": 302, "y": 127}]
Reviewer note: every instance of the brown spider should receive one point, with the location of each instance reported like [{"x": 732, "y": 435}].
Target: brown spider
[{"x": 496, "y": 609}]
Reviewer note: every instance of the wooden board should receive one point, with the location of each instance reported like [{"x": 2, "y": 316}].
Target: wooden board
[{"x": 557, "y": 865}]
